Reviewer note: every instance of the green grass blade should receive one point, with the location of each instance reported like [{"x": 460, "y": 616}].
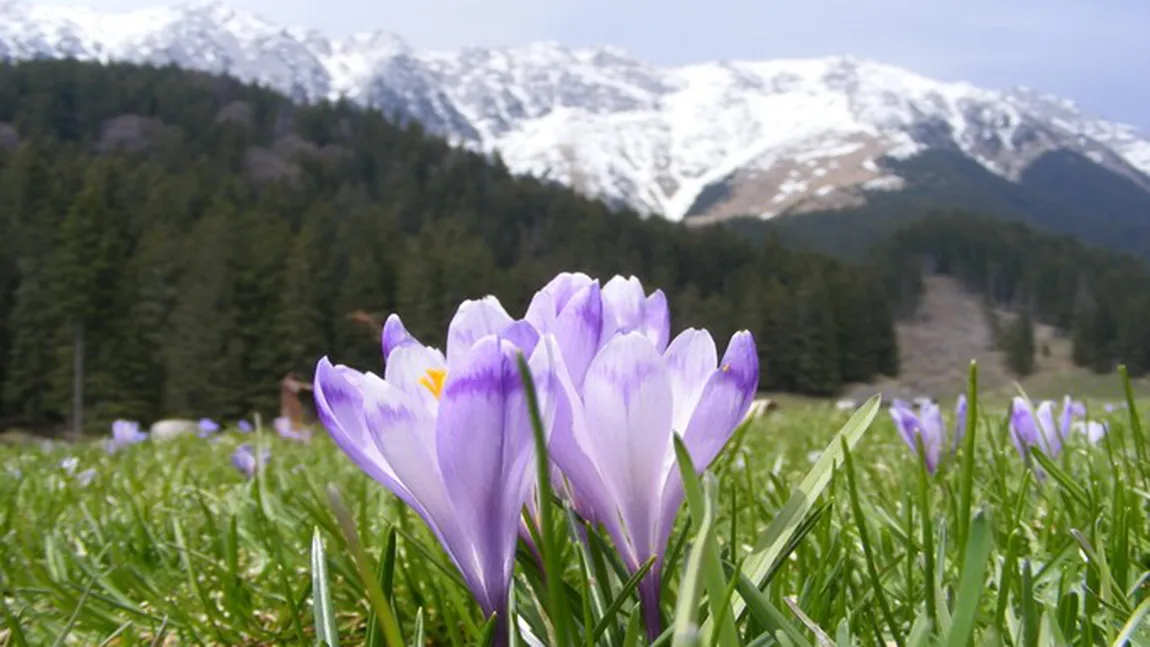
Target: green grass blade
[
  {"x": 550, "y": 547},
  {"x": 778, "y": 533},
  {"x": 712, "y": 565},
  {"x": 686, "y": 630},
  {"x": 971, "y": 583},
  {"x": 325, "y": 630},
  {"x": 387, "y": 622}
]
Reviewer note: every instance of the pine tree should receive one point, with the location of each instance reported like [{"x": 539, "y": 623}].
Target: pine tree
[
  {"x": 1019, "y": 345},
  {"x": 305, "y": 309},
  {"x": 200, "y": 353},
  {"x": 86, "y": 272},
  {"x": 814, "y": 339}
]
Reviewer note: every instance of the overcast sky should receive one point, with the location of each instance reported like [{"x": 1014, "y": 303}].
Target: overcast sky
[{"x": 1096, "y": 52}]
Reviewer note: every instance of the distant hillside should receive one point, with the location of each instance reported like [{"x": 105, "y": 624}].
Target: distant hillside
[
  {"x": 205, "y": 237},
  {"x": 1098, "y": 299},
  {"x": 1061, "y": 192},
  {"x": 947, "y": 330}
]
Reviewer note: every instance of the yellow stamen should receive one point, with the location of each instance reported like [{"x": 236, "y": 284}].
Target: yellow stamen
[
  {"x": 433, "y": 381},
  {"x": 726, "y": 368}
]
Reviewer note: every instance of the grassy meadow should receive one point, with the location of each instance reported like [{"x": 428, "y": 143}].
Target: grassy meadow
[{"x": 166, "y": 543}]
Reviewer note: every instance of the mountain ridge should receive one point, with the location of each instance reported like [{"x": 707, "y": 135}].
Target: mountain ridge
[{"x": 701, "y": 142}]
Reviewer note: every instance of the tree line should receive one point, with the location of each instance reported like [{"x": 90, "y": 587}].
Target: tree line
[
  {"x": 1097, "y": 296},
  {"x": 198, "y": 238}
]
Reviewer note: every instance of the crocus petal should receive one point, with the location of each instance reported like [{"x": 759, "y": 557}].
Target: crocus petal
[
  {"x": 557, "y": 293},
  {"x": 403, "y": 433},
  {"x": 571, "y": 451},
  {"x": 959, "y": 420},
  {"x": 542, "y": 311},
  {"x": 483, "y": 432},
  {"x": 691, "y": 360},
  {"x": 623, "y": 303},
  {"x": 1050, "y": 436},
  {"x": 657, "y": 319},
  {"x": 628, "y": 406},
  {"x": 339, "y": 404},
  {"x": 722, "y": 404},
  {"x": 475, "y": 319},
  {"x": 933, "y": 434},
  {"x": 1023, "y": 427},
  {"x": 1095, "y": 431},
  {"x": 577, "y": 328},
  {"x": 407, "y": 368},
  {"x": 724, "y": 401},
  {"x": 907, "y": 424},
  {"x": 522, "y": 334},
  {"x": 1070, "y": 411},
  {"x": 394, "y": 335}
]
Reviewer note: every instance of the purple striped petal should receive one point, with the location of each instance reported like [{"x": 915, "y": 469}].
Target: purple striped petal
[
  {"x": 691, "y": 360},
  {"x": 474, "y": 320},
  {"x": 339, "y": 404},
  {"x": 628, "y": 406},
  {"x": 1023, "y": 427},
  {"x": 657, "y": 319},
  {"x": 565, "y": 286},
  {"x": 577, "y": 329},
  {"x": 403, "y": 433},
  {"x": 522, "y": 334},
  {"x": 623, "y": 304},
  {"x": 483, "y": 435},
  {"x": 906, "y": 422},
  {"x": 1071, "y": 410},
  {"x": 722, "y": 404},
  {"x": 933, "y": 434},
  {"x": 394, "y": 335},
  {"x": 724, "y": 401}
]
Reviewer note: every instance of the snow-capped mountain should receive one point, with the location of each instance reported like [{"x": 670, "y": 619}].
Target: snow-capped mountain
[{"x": 712, "y": 140}]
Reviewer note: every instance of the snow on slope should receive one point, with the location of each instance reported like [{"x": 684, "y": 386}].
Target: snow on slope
[{"x": 713, "y": 139}]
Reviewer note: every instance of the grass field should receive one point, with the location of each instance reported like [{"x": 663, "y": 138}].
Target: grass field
[{"x": 168, "y": 544}]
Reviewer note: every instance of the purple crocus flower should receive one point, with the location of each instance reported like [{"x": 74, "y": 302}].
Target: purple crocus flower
[
  {"x": 451, "y": 435},
  {"x": 1038, "y": 428},
  {"x": 1093, "y": 430},
  {"x": 86, "y": 477},
  {"x": 248, "y": 462},
  {"x": 284, "y": 427},
  {"x": 960, "y": 407},
  {"x": 627, "y": 307},
  {"x": 616, "y": 448},
  {"x": 124, "y": 433},
  {"x": 245, "y": 427},
  {"x": 70, "y": 464},
  {"x": 926, "y": 426},
  {"x": 1072, "y": 410},
  {"x": 570, "y": 307},
  {"x": 207, "y": 427}
]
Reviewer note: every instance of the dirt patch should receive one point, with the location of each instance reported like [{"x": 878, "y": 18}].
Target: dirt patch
[{"x": 949, "y": 330}]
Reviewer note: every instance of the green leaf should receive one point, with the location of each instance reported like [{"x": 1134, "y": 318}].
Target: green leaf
[
  {"x": 383, "y": 614},
  {"x": 325, "y": 631},
  {"x": 971, "y": 583},
  {"x": 777, "y": 535},
  {"x": 712, "y": 567},
  {"x": 686, "y": 629}
]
